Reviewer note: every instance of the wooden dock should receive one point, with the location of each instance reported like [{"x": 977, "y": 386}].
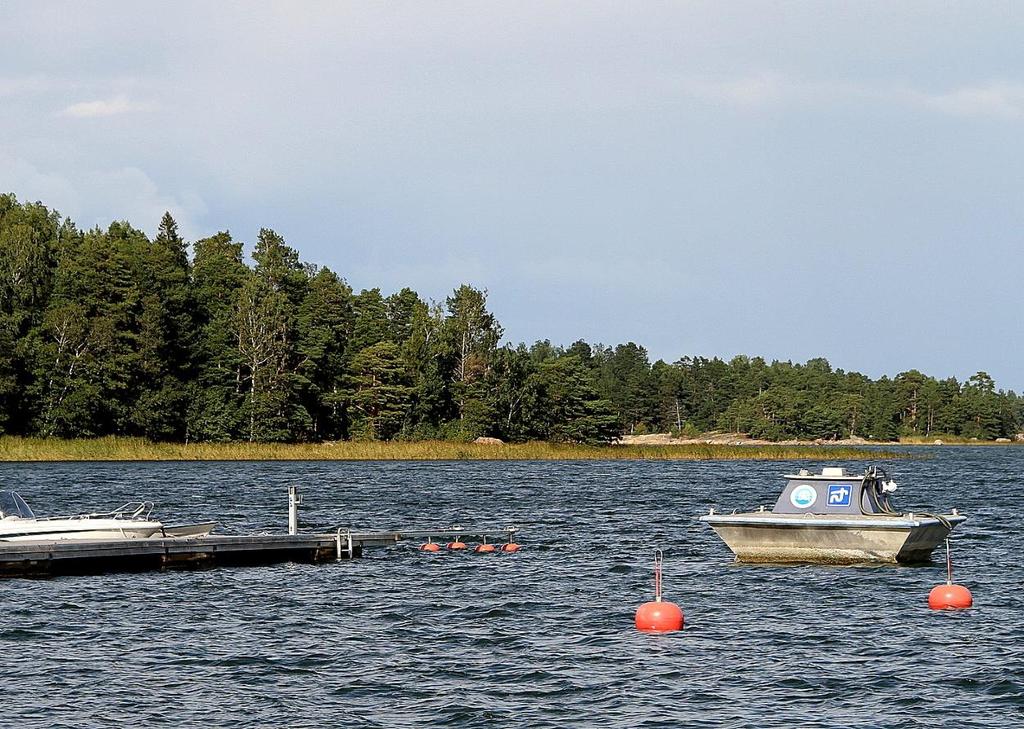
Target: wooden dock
[{"x": 61, "y": 557}]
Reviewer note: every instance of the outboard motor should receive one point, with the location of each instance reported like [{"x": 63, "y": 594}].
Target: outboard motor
[{"x": 877, "y": 489}]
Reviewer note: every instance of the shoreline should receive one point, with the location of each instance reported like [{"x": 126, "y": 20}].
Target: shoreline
[
  {"x": 742, "y": 440},
  {"x": 15, "y": 449}
]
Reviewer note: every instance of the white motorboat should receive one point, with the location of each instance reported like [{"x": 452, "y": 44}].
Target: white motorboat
[{"x": 131, "y": 521}]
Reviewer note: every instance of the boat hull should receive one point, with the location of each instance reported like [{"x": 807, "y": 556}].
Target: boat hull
[
  {"x": 189, "y": 531},
  {"x": 29, "y": 530},
  {"x": 759, "y": 537}
]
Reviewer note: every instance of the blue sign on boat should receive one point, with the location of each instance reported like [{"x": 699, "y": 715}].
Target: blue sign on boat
[{"x": 839, "y": 494}]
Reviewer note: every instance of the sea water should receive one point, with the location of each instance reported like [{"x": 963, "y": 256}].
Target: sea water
[{"x": 543, "y": 638}]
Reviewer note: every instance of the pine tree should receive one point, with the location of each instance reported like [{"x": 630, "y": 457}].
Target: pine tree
[{"x": 381, "y": 391}]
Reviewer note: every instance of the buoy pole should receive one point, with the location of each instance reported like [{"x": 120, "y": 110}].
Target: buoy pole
[
  {"x": 659, "y": 616},
  {"x": 949, "y": 564},
  {"x": 949, "y": 596},
  {"x": 510, "y": 546},
  {"x": 657, "y": 575}
]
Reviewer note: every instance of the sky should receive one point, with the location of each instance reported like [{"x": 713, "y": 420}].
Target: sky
[{"x": 782, "y": 179}]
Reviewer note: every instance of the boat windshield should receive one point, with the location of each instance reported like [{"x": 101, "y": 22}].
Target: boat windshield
[{"x": 13, "y": 505}]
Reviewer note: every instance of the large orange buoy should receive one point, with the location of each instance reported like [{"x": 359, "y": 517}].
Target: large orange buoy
[
  {"x": 510, "y": 547},
  {"x": 949, "y": 596},
  {"x": 430, "y": 547},
  {"x": 485, "y": 547},
  {"x": 457, "y": 544},
  {"x": 659, "y": 616}
]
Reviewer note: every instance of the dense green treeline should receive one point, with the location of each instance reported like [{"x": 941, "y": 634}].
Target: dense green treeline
[{"x": 109, "y": 332}]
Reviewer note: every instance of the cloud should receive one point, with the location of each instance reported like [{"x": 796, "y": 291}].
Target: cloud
[
  {"x": 29, "y": 183},
  {"x": 994, "y": 100},
  {"x": 107, "y": 107},
  {"x": 92, "y": 196},
  {"x": 759, "y": 89},
  {"x": 17, "y": 86},
  {"x": 998, "y": 100},
  {"x": 136, "y": 197}
]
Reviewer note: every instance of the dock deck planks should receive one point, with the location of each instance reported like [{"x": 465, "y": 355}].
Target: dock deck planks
[{"x": 58, "y": 557}]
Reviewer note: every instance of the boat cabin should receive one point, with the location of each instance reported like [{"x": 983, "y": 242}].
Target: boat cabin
[{"x": 833, "y": 491}]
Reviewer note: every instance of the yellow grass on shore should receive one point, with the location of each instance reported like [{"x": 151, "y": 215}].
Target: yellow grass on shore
[
  {"x": 945, "y": 439},
  {"x": 137, "y": 449}
]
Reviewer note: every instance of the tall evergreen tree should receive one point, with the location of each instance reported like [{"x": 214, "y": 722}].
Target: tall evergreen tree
[
  {"x": 381, "y": 391},
  {"x": 371, "y": 324},
  {"x": 218, "y": 274},
  {"x": 31, "y": 239},
  {"x": 325, "y": 325}
]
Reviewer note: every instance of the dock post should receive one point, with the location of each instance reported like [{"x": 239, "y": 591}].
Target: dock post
[{"x": 294, "y": 499}]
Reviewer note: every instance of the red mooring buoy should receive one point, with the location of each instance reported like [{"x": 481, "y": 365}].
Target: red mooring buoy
[
  {"x": 949, "y": 596},
  {"x": 430, "y": 547},
  {"x": 659, "y": 616},
  {"x": 510, "y": 547},
  {"x": 457, "y": 544},
  {"x": 485, "y": 547}
]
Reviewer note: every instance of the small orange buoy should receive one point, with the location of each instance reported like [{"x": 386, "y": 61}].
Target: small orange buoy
[
  {"x": 949, "y": 596},
  {"x": 659, "y": 616},
  {"x": 510, "y": 547},
  {"x": 430, "y": 547},
  {"x": 457, "y": 544},
  {"x": 484, "y": 548}
]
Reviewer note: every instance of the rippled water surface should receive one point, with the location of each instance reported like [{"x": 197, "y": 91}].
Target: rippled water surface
[{"x": 540, "y": 638}]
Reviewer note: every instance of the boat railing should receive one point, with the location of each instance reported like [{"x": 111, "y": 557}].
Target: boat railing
[{"x": 133, "y": 510}]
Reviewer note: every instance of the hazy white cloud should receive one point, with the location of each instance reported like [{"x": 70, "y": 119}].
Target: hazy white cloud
[
  {"x": 107, "y": 107},
  {"x": 997, "y": 100},
  {"x": 760, "y": 89},
  {"x": 28, "y": 182},
  {"x": 15, "y": 86},
  {"x": 137, "y": 198},
  {"x": 128, "y": 192}
]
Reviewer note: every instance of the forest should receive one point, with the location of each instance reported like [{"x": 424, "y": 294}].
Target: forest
[{"x": 107, "y": 332}]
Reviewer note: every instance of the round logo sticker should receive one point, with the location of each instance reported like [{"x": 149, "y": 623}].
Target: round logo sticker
[{"x": 803, "y": 496}]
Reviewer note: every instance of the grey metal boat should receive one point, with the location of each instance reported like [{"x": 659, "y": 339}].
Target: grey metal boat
[{"x": 834, "y": 517}]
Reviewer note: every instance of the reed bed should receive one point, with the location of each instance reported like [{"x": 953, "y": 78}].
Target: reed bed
[{"x": 137, "y": 449}]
